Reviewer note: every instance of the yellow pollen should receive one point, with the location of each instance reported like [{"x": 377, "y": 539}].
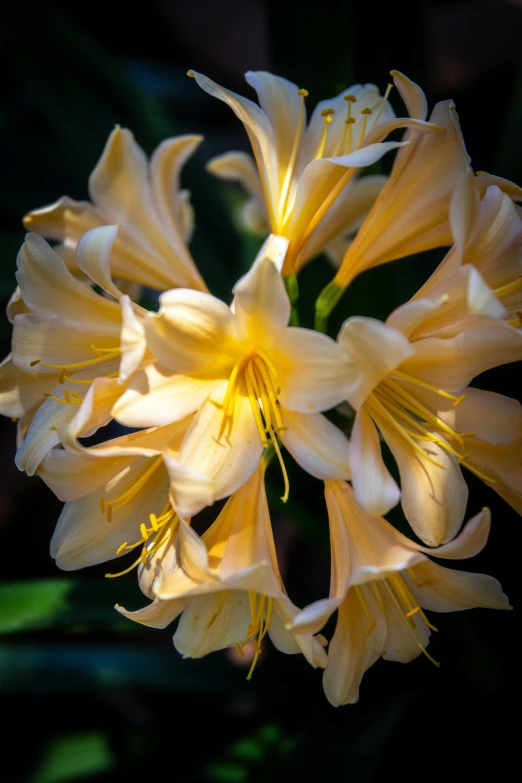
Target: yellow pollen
[
  {"x": 159, "y": 530},
  {"x": 256, "y": 375},
  {"x": 365, "y": 114},
  {"x": 260, "y": 617}
]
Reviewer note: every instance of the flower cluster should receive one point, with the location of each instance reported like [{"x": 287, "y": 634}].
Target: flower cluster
[{"x": 212, "y": 393}]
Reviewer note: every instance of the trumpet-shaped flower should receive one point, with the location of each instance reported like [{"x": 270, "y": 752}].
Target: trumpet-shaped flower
[
  {"x": 414, "y": 371},
  {"x": 69, "y": 336},
  {"x": 144, "y": 198},
  {"x": 226, "y": 583},
  {"x": 251, "y": 378},
  {"x": 301, "y": 173},
  {"x": 487, "y": 233},
  {"x": 411, "y": 213},
  {"x": 116, "y": 493},
  {"x": 381, "y": 584}
]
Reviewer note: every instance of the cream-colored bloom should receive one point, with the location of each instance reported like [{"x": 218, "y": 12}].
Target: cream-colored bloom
[
  {"x": 226, "y": 583},
  {"x": 248, "y": 375},
  {"x": 116, "y": 493},
  {"x": 144, "y": 198},
  {"x": 487, "y": 233},
  {"x": 301, "y": 183},
  {"x": 381, "y": 582},
  {"x": 68, "y": 336},
  {"x": 411, "y": 212},
  {"x": 414, "y": 371}
]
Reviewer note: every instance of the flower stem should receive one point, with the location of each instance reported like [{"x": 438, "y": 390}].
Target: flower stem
[{"x": 326, "y": 301}]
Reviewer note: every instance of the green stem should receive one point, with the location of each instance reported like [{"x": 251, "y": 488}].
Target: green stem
[
  {"x": 292, "y": 289},
  {"x": 326, "y": 301}
]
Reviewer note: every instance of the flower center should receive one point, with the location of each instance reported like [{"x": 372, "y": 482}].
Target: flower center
[
  {"x": 256, "y": 376},
  {"x": 397, "y": 589},
  {"x": 414, "y": 422}
]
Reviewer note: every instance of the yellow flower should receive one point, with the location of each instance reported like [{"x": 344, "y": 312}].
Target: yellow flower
[
  {"x": 116, "y": 493},
  {"x": 411, "y": 212},
  {"x": 487, "y": 233},
  {"x": 251, "y": 378},
  {"x": 414, "y": 371},
  {"x": 226, "y": 583},
  {"x": 381, "y": 583},
  {"x": 144, "y": 198},
  {"x": 299, "y": 188},
  {"x": 67, "y": 336}
]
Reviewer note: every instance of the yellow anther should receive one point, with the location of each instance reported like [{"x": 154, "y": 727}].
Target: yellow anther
[
  {"x": 327, "y": 112},
  {"x": 328, "y": 119},
  {"x": 367, "y": 111},
  {"x": 34, "y": 363},
  {"x": 121, "y": 548},
  {"x": 240, "y": 650},
  {"x": 102, "y": 504},
  {"x": 109, "y": 513},
  {"x": 144, "y": 531},
  {"x": 67, "y": 395},
  {"x": 351, "y": 98},
  {"x": 191, "y": 74},
  {"x": 303, "y": 93},
  {"x": 350, "y": 121}
]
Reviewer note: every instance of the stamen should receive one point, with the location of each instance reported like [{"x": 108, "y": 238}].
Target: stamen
[
  {"x": 425, "y": 385},
  {"x": 126, "y": 496},
  {"x": 326, "y": 113},
  {"x": 365, "y": 114},
  {"x": 293, "y": 158},
  {"x": 385, "y": 97},
  {"x": 283, "y": 468},
  {"x": 341, "y": 148},
  {"x": 510, "y": 288},
  {"x": 394, "y": 389}
]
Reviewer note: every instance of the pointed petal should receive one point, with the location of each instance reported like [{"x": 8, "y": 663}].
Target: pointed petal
[
  {"x": 374, "y": 487},
  {"x": 412, "y": 95},
  {"x": 49, "y": 289},
  {"x": 261, "y": 303},
  {"x": 470, "y": 541},
  {"x": 66, "y": 220},
  {"x": 316, "y": 444},
  {"x": 447, "y": 590},
  {"x": 157, "y": 614},
  {"x": 193, "y": 332},
  {"x": 227, "y": 458},
  {"x": 132, "y": 340},
  {"x": 376, "y": 349},
  {"x": 311, "y": 371},
  {"x": 352, "y": 650},
  {"x": 199, "y": 634},
  {"x": 433, "y": 498},
  {"x": 155, "y": 397}
]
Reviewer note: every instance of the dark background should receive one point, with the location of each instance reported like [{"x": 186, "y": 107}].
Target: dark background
[{"x": 87, "y": 695}]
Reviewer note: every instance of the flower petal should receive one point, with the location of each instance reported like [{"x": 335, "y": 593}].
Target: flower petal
[
  {"x": 132, "y": 339},
  {"x": 376, "y": 349},
  {"x": 20, "y": 391},
  {"x": 433, "y": 498},
  {"x": 226, "y": 458},
  {"x": 403, "y": 642},
  {"x": 316, "y": 444},
  {"x": 157, "y": 614},
  {"x": 49, "y": 289},
  {"x": 447, "y": 590},
  {"x": 352, "y": 649},
  {"x": 43, "y": 434},
  {"x": 199, "y": 634},
  {"x": 238, "y": 167},
  {"x": 193, "y": 332},
  {"x": 374, "y": 487},
  {"x": 93, "y": 256},
  {"x": 261, "y": 303},
  {"x": 77, "y": 545},
  {"x": 155, "y": 397},
  {"x": 311, "y": 372}
]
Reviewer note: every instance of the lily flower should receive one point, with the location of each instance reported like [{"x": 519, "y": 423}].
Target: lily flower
[
  {"x": 226, "y": 584},
  {"x": 299, "y": 182},
  {"x": 411, "y": 213},
  {"x": 116, "y": 493},
  {"x": 487, "y": 233},
  {"x": 381, "y": 584},
  {"x": 69, "y": 336},
  {"x": 414, "y": 371},
  {"x": 249, "y": 377},
  {"x": 144, "y": 198}
]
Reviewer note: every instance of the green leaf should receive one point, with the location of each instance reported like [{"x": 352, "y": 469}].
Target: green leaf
[
  {"x": 74, "y": 756},
  {"x": 31, "y": 605}
]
